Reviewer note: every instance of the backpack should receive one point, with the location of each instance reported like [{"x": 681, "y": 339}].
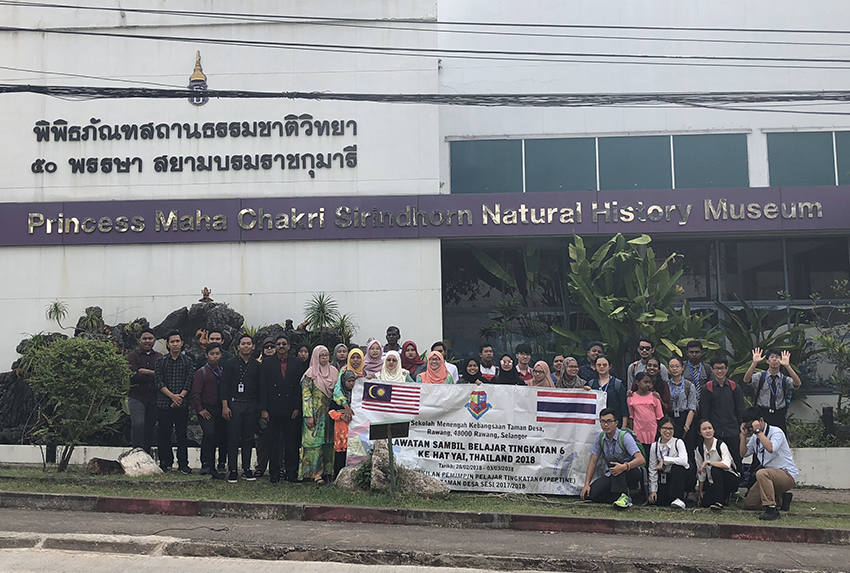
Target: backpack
[
  {"x": 709, "y": 385},
  {"x": 786, "y": 393},
  {"x": 621, "y": 432}
]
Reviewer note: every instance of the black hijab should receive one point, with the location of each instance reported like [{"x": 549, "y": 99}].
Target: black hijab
[
  {"x": 510, "y": 377},
  {"x": 466, "y": 378}
]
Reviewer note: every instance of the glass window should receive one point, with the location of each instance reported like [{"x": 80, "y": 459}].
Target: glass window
[
  {"x": 486, "y": 166},
  {"x": 711, "y": 161},
  {"x": 752, "y": 270},
  {"x": 697, "y": 263},
  {"x": 634, "y": 163},
  {"x": 800, "y": 159},
  {"x": 814, "y": 264},
  {"x": 560, "y": 165},
  {"x": 842, "y": 153}
]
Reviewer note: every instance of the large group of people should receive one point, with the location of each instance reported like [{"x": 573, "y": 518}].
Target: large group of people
[{"x": 679, "y": 431}]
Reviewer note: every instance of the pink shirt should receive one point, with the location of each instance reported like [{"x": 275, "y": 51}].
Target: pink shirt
[{"x": 645, "y": 411}]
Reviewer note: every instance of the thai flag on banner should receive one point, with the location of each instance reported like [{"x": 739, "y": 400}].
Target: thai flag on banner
[
  {"x": 566, "y": 407},
  {"x": 391, "y": 398}
]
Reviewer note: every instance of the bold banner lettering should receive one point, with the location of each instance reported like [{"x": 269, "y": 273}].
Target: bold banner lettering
[{"x": 484, "y": 438}]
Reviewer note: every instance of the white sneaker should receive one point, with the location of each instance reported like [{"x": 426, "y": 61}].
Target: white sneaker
[{"x": 678, "y": 503}]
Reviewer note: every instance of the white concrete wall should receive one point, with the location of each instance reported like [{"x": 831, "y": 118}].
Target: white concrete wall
[
  {"x": 379, "y": 282},
  {"x": 479, "y": 76},
  {"x": 266, "y": 282}
]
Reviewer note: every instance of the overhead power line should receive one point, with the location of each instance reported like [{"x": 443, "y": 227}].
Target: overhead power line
[
  {"x": 690, "y": 99},
  {"x": 507, "y": 55},
  {"x": 418, "y": 21}
]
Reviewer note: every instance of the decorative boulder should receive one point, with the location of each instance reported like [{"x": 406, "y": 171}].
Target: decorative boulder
[
  {"x": 101, "y": 467},
  {"x": 137, "y": 462},
  {"x": 345, "y": 480}
]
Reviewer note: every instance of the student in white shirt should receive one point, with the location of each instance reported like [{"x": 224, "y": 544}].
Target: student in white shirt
[
  {"x": 716, "y": 475},
  {"x": 668, "y": 465}
]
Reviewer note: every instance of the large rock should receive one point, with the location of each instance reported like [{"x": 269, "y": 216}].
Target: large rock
[
  {"x": 380, "y": 467},
  {"x": 414, "y": 482},
  {"x": 345, "y": 480},
  {"x": 137, "y": 463}
]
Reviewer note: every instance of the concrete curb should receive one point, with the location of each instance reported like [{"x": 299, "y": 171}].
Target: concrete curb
[
  {"x": 170, "y": 546},
  {"x": 437, "y": 518}
]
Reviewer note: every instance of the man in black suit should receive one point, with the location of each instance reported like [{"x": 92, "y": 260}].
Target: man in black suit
[{"x": 280, "y": 404}]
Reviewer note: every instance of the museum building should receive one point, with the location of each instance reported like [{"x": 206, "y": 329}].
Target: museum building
[{"x": 412, "y": 212}]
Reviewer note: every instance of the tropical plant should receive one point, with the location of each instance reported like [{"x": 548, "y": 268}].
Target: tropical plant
[
  {"x": 832, "y": 321},
  {"x": 57, "y": 311},
  {"x": 81, "y": 384},
  {"x": 345, "y": 327},
  {"x": 750, "y": 327},
  {"x": 322, "y": 311},
  {"x": 91, "y": 321},
  {"x": 29, "y": 350},
  {"x": 625, "y": 294}
]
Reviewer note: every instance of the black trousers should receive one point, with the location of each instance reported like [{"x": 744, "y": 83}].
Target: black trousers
[
  {"x": 674, "y": 488},
  {"x": 284, "y": 431},
  {"x": 608, "y": 489},
  {"x": 178, "y": 419},
  {"x": 240, "y": 433},
  {"x": 725, "y": 484},
  {"x": 142, "y": 424},
  {"x": 212, "y": 437}
]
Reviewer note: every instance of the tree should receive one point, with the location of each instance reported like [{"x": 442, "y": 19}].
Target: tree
[
  {"x": 81, "y": 385},
  {"x": 627, "y": 295}
]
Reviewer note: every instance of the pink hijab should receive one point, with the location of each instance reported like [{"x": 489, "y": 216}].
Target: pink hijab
[
  {"x": 435, "y": 377},
  {"x": 373, "y": 365},
  {"x": 547, "y": 379},
  {"x": 324, "y": 377}
]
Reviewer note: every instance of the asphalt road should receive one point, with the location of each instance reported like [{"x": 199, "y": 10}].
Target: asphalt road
[{"x": 405, "y": 545}]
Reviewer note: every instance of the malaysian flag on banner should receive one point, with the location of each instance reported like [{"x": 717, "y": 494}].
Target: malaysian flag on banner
[
  {"x": 391, "y": 398},
  {"x": 566, "y": 407}
]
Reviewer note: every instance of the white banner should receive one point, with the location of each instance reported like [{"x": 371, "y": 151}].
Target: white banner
[{"x": 484, "y": 438}]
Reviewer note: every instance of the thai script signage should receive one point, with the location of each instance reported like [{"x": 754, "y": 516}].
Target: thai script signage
[
  {"x": 766, "y": 210},
  {"x": 484, "y": 438}
]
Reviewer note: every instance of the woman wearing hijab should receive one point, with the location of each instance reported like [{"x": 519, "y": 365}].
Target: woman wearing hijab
[
  {"x": 374, "y": 357},
  {"x": 317, "y": 385},
  {"x": 569, "y": 377},
  {"x": 302, "y": 353},
  {"x": 340, "y": 356},
  {"x": 541, "y": 376},
  {"x": 436, "y": 373},
  {"x": 410, "y": 359},
  {"x": 392, "y": 371},
  {"x": 353, "y": 365},
  {"x": 470, "y": 372},
  {"x": 507, "y": 374}
]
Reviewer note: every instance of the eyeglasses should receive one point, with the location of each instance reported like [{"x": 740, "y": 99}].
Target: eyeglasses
[
  {"x": 267, "y": 346},
  {"x": 644, "y": 348},
  {"x": 607, "y": 422},
  {"x": 538, "y": 371},
  {"x": 572, "y": 365},
  {"x": 666, "y": 429}
]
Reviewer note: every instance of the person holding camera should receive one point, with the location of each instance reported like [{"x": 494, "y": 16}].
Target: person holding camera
[{"x": 778, "y": 474}]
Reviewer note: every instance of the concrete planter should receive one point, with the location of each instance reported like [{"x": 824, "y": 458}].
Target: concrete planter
[{"x": 823, "y": 467}]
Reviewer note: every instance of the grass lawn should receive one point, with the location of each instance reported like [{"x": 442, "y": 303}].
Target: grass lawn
[{"x": 177, "y": 486}]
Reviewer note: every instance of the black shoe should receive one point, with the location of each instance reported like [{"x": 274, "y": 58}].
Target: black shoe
[
  {"x": 217, "y": 475},
  {"x": 233, "y": 476},
  {"x": 248, "y": 475},
  {"x": 186, "y": 470},
  {"x": 274, "y": 479},
  {"x": 165, "y": 469},
  {"x": 786, "y": 501},
  {"x": 770, "y": 514},
  {"x": 259, "y": 473},
  {"x": 221, "y": 469},
  {"x": 206, "y": 470}
]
